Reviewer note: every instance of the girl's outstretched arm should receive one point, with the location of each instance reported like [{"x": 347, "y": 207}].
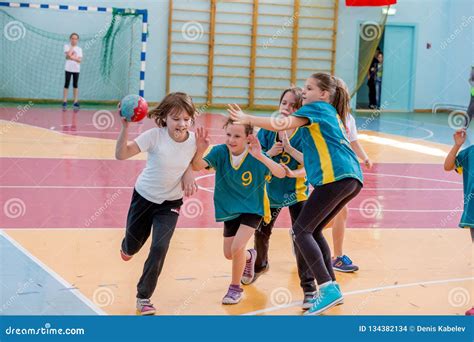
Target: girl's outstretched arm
[{"x": 270, "y": 123}]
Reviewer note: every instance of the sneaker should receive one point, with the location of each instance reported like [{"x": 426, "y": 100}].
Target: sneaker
[
  {"x": 263, "y": 271},
  {"x": 249, "y": 271},
  {"x": 344, "y": 264},
  {"x": 76, "y": 106},
  {"x": 125, "y": 257},
  {"x": 144, "y": 307},
  {"x": 470, "y": 312},
  {"x": 64, "y": 105},
  {"x": 309, "y": 299},
  {"x": 313, "y": 300},
  {"x": 233, "y": 296},
  {"x": 339, "y": 288},
  {"x": 328, "y": 297}
]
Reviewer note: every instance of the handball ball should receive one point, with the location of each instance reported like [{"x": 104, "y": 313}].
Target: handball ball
[{"x": 133, "y": 108}]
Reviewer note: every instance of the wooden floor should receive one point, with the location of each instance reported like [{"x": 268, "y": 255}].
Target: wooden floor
[
  {"x": 416, "y": 272},
  {"x": 413, "y": 261}
]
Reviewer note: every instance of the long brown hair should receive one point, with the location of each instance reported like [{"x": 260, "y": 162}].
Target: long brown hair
[
  {"x": 297, "y": 92},
  {"x": 173, "y": 103},
  {"x": 338, "y": 94}
]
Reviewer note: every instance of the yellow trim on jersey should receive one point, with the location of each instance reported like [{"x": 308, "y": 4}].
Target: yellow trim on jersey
[
  {"x": 301, "y": 187},
  {"x": 459, "y": 170},
  {"x": 266, "y": 206},
  {"x": 241, "y": 162},
  {"x": 323, "y": 151}
]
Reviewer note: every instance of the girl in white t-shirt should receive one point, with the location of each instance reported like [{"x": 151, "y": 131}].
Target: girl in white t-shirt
[
  {"x": 160, "y": 187},
  {"x": 73, "y": 54},
  {"x": 342, "y": 262}
]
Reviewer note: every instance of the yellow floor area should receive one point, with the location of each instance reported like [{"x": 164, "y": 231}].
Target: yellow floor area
[{"x": 395, "y": 275}]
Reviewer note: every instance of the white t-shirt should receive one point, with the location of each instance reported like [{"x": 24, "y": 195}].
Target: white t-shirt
[
  {"x": 236, "y": 160},
  {"x": 167, "y": 161},
  {"x": 351, "y": 128},
  {"x": 73, "y": 66}
]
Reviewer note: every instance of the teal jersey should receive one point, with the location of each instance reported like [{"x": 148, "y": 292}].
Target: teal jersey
[
  {"x": 284, "y": 192},
  {"x": 328, "y": 156},
  {"x": 238, "y": 190},
  {"x": 464, "y": 160}
]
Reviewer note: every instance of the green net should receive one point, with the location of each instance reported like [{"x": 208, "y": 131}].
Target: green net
[{"x": 32, "y": 60}]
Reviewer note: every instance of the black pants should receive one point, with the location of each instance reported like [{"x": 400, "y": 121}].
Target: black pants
[
  {"x": 143, "y": 216},
  {"x": 372, "y": 93},
  {"x": 322, "y": 205},
  {"x": 262, "y": 244},
  {"x": 75, "y": 79}
]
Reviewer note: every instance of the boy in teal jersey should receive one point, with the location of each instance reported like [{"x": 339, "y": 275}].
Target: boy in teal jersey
[
  {"x": 332, "y": 169},
  {"x": 240, "y": 194}
]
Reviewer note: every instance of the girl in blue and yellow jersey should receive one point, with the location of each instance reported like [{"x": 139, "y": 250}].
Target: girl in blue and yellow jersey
[
  {"x": 332, "y": 169},
  {"x": 285, "y": 147},
  {"x": 240, "y": 195}
]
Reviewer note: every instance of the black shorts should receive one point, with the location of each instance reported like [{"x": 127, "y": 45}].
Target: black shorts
[
  {"x": 232, "y": 226},
  {"x": 75, "y": 79}
]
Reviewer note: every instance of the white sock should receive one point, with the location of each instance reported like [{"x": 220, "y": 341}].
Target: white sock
[{"x": 323, "y": 285}]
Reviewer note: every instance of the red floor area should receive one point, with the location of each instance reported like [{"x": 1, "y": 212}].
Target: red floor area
[{"x": 96, "y": 193}]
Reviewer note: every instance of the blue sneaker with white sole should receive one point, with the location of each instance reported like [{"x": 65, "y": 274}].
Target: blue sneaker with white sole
[
  {"x": 328, "y": 297},
  {"x": 344, "y": 264}
]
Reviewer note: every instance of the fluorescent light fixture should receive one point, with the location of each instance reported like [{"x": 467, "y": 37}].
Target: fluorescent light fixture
[{"x": 389, "y": 11}]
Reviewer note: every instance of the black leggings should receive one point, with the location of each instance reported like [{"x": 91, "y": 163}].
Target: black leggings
[
  {"x": 145, "y": 218},
  {"x": 321, "y": 207},
  {"x": 75, "y": 79},
  {"x": 262, "y": 244}
]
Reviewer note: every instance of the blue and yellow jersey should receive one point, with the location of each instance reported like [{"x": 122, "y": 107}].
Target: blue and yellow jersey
[
  {"x": 328, "y": 156},
  {"x": 286, "y": 191},
  {"x": 464, "y": 159},
  {"x": 238, "y": 190}
]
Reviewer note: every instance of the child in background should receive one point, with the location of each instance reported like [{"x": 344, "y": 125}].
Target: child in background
[
  {"x": 240, "y": 195},
  {"x": 292, "y": 191},
  {"x": 158, "y": 192},
  {"x": 342, "y": 262},
  {"x": 73, "y": 55}
]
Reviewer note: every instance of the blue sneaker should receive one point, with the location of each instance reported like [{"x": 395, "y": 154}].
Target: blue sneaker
[
  {"x": 64, "y": 105},
  {"x": 344, "y": 264},
  {"x": 329, "y": 296},
  {"x": 76, "y": 106},
  {"x": 313, "y": 300}
]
